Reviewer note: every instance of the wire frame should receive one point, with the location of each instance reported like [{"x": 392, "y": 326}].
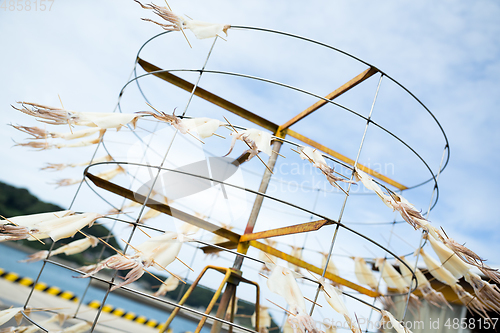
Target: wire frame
[{"x": 281, "y": 134}]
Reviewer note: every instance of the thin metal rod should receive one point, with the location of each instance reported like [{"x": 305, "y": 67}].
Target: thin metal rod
[
  {"x": 380, "y": 275},
  {"x": 183, "y": 287},
  {"x": 424, "y": 232},
  {"x": 80, "y": 302},
  {"x": 434, "y": 190},
  {"x": 416, "y": 281},
  {"x": 152, "y": 187},
  {"x": 114, "y": 223},
  {"x": 33, "y": 322},
  {"x": 38, "y": 277},
  {"x": 347, "y": 192}
]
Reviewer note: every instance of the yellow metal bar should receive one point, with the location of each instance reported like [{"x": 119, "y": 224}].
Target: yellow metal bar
[
  {"x": 257, "y": 306},
  {"x": 293, "y": 229},
  {"x": 336, "y": 93},
  {"x": 208, "y": 96},
  {"x": 345, "y": 159},
  {"x": 226, "y": 245},
  {"x": 183, "y": 300},
  {"x": 230, "y": 276},
  {"x": 233, "y": 310},
  {"x": 214, "y": 299},
  {"x": 312, "y": 268},
  {"x": 164, "y": 208}
]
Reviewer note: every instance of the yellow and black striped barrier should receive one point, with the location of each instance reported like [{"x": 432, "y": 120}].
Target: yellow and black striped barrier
[
  {"x": 40, "y": 286},
  {"x": 127, "y": 315},
  {"x": 68, "y": 295}
]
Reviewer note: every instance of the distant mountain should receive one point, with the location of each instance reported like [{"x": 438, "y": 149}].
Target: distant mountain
[{"x": 19, "y": 201}]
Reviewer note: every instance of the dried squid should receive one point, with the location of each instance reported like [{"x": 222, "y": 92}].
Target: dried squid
[
  {"x": 176, "y": 22},
  {"x": 57, "y": 116}
]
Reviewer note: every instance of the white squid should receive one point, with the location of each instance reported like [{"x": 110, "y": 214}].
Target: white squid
[
  {"x": 364, "y": 274},
  {"x": 264, "y": 318},
  {"x": 489, "y": 294},
  {"x": 39, "y": 133},
  {"x": 65, "y": 227},
  {"x": 204, "y": 127},
  {"x": 75, "y": 247},
  {"x": 150, "y": 214},
  {"x": 34, "y": 328},
  {"x": 463, "y": 253},
  {"x": 394, "y": 280},
  {"x": 33, "y": 219},
  {"x": 257, "y": 140},
  {"x": 263, "y": 256},
  {"x": 56, "y": 225},
  {"x": 200, "y": 29},
  {"x": 56, "y": 116},
  {"x": 388, "y": 317},
  {"x": 439, "y": 272},
  {"x": 391, "y": 276},
  {"x": 106, "y": 175},
  {"x": 8, "y": 314},
  {"x": 188, "y": 228},
  {"x": 330, "y": 268},
  {"x": 44, "y": 145},
  {"x": 61, "y": 166},
  {"x": 282, "y": 282},
  {"x": 407, "y": 211},
  {"x": 159, "y": 252},
  {"x": 297, "y": 253},
  {"x": 333, "y": 296},
  {"x": 423, "y": 285},
  {"x": 315, "y": 157},
  {"x": 444, "y": 276},
  {"x": 171, "y": 283}
]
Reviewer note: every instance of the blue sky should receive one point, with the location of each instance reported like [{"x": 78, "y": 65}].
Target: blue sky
[{"x": 447, "y": 53}]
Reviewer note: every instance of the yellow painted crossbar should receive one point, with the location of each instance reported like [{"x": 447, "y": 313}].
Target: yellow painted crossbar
[
  {"x": 300, "y": 263},
  {"x": 274, "y": 128}
]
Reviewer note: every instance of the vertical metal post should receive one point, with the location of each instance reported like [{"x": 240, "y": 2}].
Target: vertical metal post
[
  {"x": 257, "y": 205},
  {"x": 334, "y": 238},
  {"x": 242, "y": 247}
]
